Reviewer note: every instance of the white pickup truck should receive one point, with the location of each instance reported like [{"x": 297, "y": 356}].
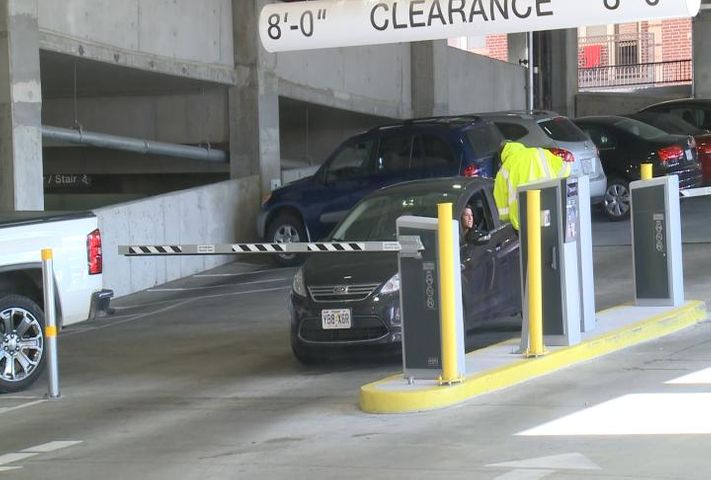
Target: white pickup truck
[{"x": 76, "y": 244}]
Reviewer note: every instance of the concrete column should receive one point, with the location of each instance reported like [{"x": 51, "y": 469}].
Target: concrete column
[
  {"x": 21, "y": 186},
  {"x": 702, "y": 59},
  {"x": 422, "y": 77},
  {"x": 558, "y": 72},
  {"x": 429, "y": 74},
  {"x": 253, "y": 102}
]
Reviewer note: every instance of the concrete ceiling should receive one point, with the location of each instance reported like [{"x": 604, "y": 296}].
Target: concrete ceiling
[{"x": 95, "y": 79}]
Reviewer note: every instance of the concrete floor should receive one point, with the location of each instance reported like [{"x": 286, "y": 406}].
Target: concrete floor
[{"x": 195, "y": 379}]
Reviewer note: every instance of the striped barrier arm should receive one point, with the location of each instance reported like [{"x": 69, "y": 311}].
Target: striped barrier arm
[
  {"x": 410, "y": 245},
  {"x": 696, "y": 192}
]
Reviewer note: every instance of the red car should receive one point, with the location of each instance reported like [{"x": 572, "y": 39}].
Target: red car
[{"x": 678, "y": 126}]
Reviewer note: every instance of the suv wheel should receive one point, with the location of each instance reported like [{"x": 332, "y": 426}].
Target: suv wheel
[
  {"x": 286, "y": 228},
  {"x": 616, "y": 203},
  {"x": 21, "y": 343}
]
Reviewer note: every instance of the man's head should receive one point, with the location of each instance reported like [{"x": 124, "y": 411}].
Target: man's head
[{"x": 467, "y": 219}]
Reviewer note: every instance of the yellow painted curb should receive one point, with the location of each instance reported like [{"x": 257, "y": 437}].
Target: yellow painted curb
[{"x": 375, "y": 399}]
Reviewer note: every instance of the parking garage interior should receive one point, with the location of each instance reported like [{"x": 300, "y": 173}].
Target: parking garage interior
[{"x": 192, "y": 376}]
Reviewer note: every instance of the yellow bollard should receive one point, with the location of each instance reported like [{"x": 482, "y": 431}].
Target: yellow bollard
[
  {"x": 535, "y": 292},
  {"x": 646, "y": 171},
  {"x": 446, "y": 295}
]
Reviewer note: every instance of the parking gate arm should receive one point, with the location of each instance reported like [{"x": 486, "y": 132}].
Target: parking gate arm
[{"x": 412, "y": 246}]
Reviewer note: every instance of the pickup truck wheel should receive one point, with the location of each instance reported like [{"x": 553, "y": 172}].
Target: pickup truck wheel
[
  {"x": 287, "y": 228},
  {"x": 22, "y": 349}
]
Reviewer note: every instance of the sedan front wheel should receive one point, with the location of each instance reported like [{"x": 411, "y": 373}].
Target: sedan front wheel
[{"x": 616, "y": 203}]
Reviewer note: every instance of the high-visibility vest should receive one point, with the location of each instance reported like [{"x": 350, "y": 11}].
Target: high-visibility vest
[{"x": 521, "y": 165}]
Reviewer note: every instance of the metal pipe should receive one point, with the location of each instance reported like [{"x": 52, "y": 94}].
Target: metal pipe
[
  {"x": 50, "y": 329},
  {"x": 136, "y": 145}
]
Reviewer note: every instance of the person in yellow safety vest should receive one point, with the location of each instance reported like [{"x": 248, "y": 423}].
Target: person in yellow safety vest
[{"x": 520, "y": 165}]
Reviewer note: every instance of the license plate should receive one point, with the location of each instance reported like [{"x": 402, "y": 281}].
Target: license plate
[
  {"x": 336, "y": 319},
  {"x": 587, "y": 166},
  {"x": 689, "y": 155}
]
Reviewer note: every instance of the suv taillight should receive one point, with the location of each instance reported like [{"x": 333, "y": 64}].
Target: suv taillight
[
  {"x": 667, "y": 154},
  {"x": 471, "y": 171},
  {"x": 93, "y": 252},
  {"x": 564, "y": 154}
]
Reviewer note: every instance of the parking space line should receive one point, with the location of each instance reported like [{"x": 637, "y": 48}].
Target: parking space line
[
  {"x": 52, "y": 446},
  {"x": 175, "y": 305},
  {"x": 24, "y": 405},
  {"x": 34, "y": 451},
  {"x": 216, "y": 275},
  {"x": 212, "y": 287},
  {"x": 15, "y": 457}
]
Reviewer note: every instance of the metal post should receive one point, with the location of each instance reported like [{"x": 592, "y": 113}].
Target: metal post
[
  {"x": 646, "y": 171},
  {"x": 447, "y": 296},
  {"x": 50, "y": 329},
  {"x": 535, "y": 293},
  {"x": 529, "y": 93}
]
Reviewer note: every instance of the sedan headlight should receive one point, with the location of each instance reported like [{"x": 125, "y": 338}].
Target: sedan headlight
[
  {"x": 298, "y": 284},
  {"x": 392, "y": 285}
]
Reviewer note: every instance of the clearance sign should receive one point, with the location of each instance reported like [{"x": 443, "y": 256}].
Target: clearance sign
[{"x": 346, "y": 23}]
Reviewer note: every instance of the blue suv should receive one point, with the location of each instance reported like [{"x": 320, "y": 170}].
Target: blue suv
[{"x": 307, "y": 210}]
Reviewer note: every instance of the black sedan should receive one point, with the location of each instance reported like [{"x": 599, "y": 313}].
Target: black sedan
[
  {"x": 696, "y": 111},
  {"x": 676, "y": 125},
  {"x": 625, "y": 144},
  {"x": 362, "y": 290}
]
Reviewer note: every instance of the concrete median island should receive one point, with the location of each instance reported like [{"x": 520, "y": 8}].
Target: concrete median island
[{"x": 498, "y": 366}]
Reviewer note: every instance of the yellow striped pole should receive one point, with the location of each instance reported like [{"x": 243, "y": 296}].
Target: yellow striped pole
[
  {"x": 646, "y": 171},
  {"x": 535, "y": 290},
  {"x": 446, "y": 295}
]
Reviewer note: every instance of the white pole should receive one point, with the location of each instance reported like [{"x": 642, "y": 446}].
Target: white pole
[
  {"x": 50, "y": 329},
  {"x": 529, "y": 93}
]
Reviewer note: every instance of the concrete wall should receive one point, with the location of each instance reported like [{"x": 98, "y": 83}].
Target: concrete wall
[
  {"x": 189, "y": 119},
  {"x": 702, "y": 60},
  {"x": 371, "y": 80},
  {"x": 604, "y": 103},
  {"x": 178, "y": 29},
  {"x": 475, "y": 83},
  {"x": 220, "y": 213}
]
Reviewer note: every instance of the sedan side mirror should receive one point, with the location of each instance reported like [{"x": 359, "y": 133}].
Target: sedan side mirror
[{"x": 478, "y": 238}]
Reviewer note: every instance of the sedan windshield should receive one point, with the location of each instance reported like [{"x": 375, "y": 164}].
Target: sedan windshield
[{"x": 374, "y": 218}]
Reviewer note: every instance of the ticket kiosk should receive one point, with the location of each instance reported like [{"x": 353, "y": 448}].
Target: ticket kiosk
[{"x": 560, "y": 211}]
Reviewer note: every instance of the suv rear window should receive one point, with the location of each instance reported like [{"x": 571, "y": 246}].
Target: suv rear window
[
  {"x": 485, "y": 139},
  {"x": 512, "y": 131},
  {"x": 562, "y": 129}
]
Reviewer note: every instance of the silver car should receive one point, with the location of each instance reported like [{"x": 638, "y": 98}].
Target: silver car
[{"x": 558, "y": 134}]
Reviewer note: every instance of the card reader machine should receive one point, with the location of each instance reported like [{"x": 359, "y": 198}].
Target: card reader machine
[
  {"x": 560, "y": 210},
  {"x": 571, "y": 209}
]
